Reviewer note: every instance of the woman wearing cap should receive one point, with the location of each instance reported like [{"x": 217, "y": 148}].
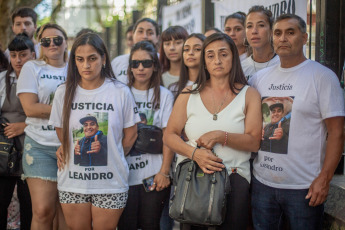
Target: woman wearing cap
[
  {"x": 36, "y": 86},
  {"x": 95, "y": 118},
  {"x": 21, "y": 50}
]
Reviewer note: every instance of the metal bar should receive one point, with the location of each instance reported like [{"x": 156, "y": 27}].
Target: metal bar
[{"x": 310, "y": 25}]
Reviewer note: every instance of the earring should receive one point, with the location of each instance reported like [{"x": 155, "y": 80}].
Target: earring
[{"x": 103, "y": 66}]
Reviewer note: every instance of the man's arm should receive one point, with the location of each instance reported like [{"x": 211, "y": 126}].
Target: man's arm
[{"x": 318, "y": 190}]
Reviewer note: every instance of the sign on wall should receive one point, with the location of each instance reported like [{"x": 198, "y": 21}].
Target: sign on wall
[
  {"x": 223, "y": 8},
  {"x": 187, "y": 14}
]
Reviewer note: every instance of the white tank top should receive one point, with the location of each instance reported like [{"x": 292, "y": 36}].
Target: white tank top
[{"x": 230, "y": 119}]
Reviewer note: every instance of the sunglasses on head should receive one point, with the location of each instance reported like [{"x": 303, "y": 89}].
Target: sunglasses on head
[
  {"x": 146, "y": 63},
  {"x": 47, "y": 40}
]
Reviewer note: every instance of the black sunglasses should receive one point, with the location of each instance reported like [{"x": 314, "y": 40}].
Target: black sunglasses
[
  {"x": 47, "y": 40},
  {"x": 146, "y": 63}
]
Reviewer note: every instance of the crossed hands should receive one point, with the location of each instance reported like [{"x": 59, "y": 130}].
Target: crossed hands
[
  {"x": 205, "y": 158},
  {"x": 95, "y": 147}
]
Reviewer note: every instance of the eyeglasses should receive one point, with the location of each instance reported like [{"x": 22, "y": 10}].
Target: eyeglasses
[
  {"x": 146, "y": 63},
  {"x": 45, "y": 42}
]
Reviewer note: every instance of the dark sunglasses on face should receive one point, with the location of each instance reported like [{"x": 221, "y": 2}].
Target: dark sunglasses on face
[
  {"x": 47, "y": 40},
  {"x": 146, "y": 63}
]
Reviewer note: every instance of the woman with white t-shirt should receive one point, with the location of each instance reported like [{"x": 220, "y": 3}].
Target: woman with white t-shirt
[
  {"x": 234, "y": 26},
  {"x": 36, "y": 86},
  {"x": 220, "y": 113},
  {"x": 170, "y": 53},
  {"x": 259, "y": 22},
  {"x": 145, "y": 29},
  {"x": 154, "y": 104},
  {"x": 95, "y": 119},
  {"x": 190, "y": 65}
]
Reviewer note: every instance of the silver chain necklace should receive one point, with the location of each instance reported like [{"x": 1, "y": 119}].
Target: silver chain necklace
[
  {"x": 215, "y": 115},
  {"x": 265, "y": 66}
]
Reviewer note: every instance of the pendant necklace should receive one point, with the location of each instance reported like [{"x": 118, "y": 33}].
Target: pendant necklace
[{"x": 215, "y": 115}]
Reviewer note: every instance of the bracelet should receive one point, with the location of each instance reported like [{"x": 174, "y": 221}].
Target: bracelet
[
  {"x": 226, "y": 139},
  {"x": 165, "y": 175},
  {"x": 194, "y": 152}
]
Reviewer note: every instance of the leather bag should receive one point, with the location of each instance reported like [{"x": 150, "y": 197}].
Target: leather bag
[
  {"x": 149, "y": 140},
  {"x": 10, "y": 153},
  {"x": 199, "y": 198}
]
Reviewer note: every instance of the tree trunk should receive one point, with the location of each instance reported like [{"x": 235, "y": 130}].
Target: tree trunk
[{"x": 6, "y": 9}]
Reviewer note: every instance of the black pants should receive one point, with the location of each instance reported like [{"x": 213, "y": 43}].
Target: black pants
[
  {"x": 7, "y": 185},
  {"x": 237, "y": 206},
  {"x": 143, "y": 209}
]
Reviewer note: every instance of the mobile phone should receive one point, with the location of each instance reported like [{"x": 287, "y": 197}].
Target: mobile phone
[{"x": 148, "y": 183}]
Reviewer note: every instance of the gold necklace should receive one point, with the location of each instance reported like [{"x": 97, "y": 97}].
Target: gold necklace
[{"x": 215, "y": 115}]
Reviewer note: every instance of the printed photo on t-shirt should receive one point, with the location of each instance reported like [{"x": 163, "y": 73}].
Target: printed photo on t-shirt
[
  {"x": 90, "y": 140},
  {"x": 276, "y": 112},
  {"x": 146, "y": 117}
]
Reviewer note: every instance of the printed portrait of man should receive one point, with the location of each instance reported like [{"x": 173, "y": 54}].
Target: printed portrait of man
[
  {"x": 275, "y": 135},
  {"x": 91, "y": 150}
]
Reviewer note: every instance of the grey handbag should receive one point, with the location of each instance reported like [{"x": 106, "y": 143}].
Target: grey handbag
[{"x": 199, "y": 198}]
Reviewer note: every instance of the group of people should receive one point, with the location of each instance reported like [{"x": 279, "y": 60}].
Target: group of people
[{"x": 233, "y": 93}]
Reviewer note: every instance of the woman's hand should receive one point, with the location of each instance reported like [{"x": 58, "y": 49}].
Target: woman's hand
[
  {"x": 60, "y": 158},
  {"x": 161, "y": 182},
  {"x": 210, "y": 139},
  {"x": 14, "y": 129},
  {"x": 207, "y": 161}
]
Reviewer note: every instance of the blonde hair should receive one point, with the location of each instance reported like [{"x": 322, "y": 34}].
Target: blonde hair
[{"x": 52, "y": 26}]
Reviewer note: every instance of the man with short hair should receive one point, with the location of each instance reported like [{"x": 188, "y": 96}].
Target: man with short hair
[
  {"x": 275, "y": 135},
  {"x": 24, "y": 21},
  {"x": 91, "y": 150},
  {"x": 296, "y": 184}
]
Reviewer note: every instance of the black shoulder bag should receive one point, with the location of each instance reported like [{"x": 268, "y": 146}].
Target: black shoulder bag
[
  {"x": 199, "y": 198},
  {"x": 10, "y": 153},
  {"x": 149, "y": 140}
]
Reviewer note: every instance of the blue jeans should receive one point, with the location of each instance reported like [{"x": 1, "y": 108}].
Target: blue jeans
[{"x": 270, "y": 204}]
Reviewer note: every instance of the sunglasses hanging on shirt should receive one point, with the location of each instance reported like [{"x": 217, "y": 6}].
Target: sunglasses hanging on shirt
[
  {"x": 45, "y": 42},
  {"x": 146, "y": 63}
]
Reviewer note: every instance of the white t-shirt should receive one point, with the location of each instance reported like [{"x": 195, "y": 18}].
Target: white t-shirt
[
  {"x": 309, "y": 93},
  {"x": 106, "y": 171},
  {"x": 243, "y": 56},
  {"x": 42, "y": 79},
  {"x": 174, "y": 87},
  {"x": 146, "y": 165},
  {"x": 120, "y": 66},
  {"x": 168, "y": 79},
  {"x": 250, "y": 67}
]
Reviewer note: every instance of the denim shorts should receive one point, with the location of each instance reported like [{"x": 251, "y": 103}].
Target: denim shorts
[
  {"x": 39, "y": 161},
  {"x": 107, "y": 201}
]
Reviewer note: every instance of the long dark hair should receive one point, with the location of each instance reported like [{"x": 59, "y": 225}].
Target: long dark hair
[
  {"x": 173, "y": 32},
  {"x": 3, "y": 61},
  {"x": 19, "y": 43},
  {"x": 184, "y": 73},
  {"x": 73, "y": 78},
  {"x": 236, "y": 74},
  {"x": 155, "y": 80}
]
